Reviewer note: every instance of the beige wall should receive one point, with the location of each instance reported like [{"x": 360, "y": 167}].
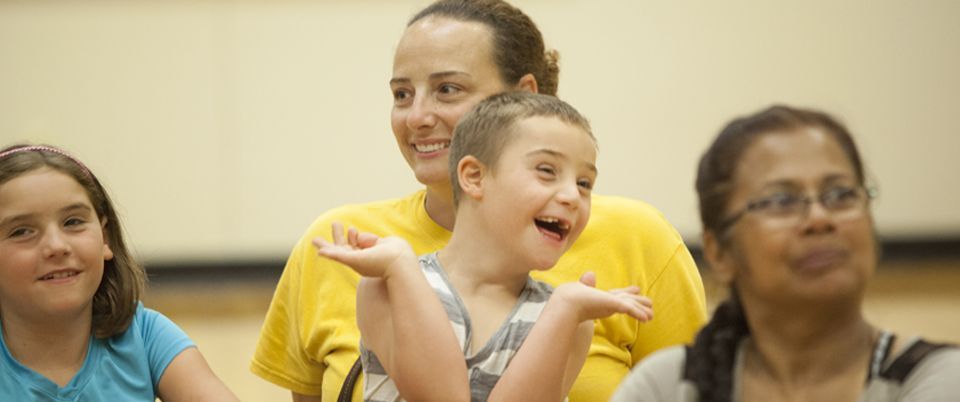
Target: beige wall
[{"x": 224, "y": 127}]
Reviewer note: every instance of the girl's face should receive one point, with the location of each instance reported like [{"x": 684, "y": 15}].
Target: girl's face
[
  {"x": 52, "y": 247},
  {"x": 813, "y": 254},
  {"x": 442, "y": 68}
]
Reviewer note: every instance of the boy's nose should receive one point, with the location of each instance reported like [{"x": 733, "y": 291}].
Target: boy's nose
[{"x": 569, "y": 195}]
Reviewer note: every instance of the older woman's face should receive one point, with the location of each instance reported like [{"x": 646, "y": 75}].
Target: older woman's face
[
  {"x": 815, "y": 255},
  {"x": 442, "y": 68}
]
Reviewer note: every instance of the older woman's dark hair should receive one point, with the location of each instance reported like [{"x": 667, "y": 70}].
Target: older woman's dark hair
[{"x": 711, "y": 358}]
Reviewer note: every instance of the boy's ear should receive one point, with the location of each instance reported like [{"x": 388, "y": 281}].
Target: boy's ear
[
  {"x": 107, "y": 252},
  {"x": 527, "y": 83},
  {"x": 716, "y": 259},
  {"x": 470, "y": 174}
]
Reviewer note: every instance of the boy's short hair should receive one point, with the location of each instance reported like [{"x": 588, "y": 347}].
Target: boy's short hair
[{"x": 485, "y": 130}]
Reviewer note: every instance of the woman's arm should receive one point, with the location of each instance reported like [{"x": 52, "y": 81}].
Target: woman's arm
[
  {"x": 188, "y": 378},
  {"x": 550, "y": 359},
  {"x": 400, "y": 318}
]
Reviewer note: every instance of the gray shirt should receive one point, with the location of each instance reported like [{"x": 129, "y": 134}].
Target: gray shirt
[
  {"x": 659, "y": 377},
  {"x": 484, "y": 366}
]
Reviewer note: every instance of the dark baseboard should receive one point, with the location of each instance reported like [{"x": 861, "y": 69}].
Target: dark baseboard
[{"x": 894, "y": 251}]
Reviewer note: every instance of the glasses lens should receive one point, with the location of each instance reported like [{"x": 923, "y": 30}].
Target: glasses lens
[{"x": 842, "y": 198}]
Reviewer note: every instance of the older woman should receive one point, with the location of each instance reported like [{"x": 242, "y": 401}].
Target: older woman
[
  {"x": 787, "y": 225},
  {"x": 453, "y": 54}
]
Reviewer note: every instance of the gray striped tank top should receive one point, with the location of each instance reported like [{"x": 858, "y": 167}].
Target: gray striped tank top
[{"x": 483, "y": 366}]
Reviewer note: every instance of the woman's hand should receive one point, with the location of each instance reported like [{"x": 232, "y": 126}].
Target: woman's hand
[{"x": 366, "y": 253}]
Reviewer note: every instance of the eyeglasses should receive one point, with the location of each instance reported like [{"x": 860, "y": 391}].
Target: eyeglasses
[{"x": 787, "y": 208}]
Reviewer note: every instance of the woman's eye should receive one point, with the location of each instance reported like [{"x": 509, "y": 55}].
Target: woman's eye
[
  {"x": 787, "y": 201},
  {"x": 448, "y": 89},
  {"x": 400, "y": 95}
]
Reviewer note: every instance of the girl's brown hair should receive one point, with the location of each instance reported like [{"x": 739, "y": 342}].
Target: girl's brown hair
[{"x": 115, "y": 301}]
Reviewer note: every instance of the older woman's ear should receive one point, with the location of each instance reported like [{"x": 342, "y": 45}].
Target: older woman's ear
[{"x": 717, "y": 259}]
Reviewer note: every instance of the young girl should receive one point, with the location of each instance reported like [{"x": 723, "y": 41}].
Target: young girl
[
  {"x": 522, "y": 166},
  {"x": 73, "y": 328}
]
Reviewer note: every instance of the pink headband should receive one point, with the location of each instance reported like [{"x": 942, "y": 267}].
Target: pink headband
[{"x": 47, "y": 149}]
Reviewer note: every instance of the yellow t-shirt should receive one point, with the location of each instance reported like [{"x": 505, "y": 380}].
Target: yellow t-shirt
[{"x": 310, "y": 338}]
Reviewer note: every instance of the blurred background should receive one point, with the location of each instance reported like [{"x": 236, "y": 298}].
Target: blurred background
[{"x": 223, "y": 128}]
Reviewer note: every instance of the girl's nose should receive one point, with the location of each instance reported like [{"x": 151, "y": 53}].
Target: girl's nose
[{"x": 55, "y": 244}]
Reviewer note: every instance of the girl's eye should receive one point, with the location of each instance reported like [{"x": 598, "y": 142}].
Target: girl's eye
[
  {"x": 585, "y": 184},
  {"x": 74, "y": 222},
  {"x": 19, "y": 232}
]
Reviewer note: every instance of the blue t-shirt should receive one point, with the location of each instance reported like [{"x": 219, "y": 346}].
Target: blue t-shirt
[{"x": 126, "y": 367}]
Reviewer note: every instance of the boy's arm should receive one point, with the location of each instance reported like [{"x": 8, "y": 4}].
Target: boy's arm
[
  {"x": 551, "y": 356},
  {"x": 400, "y": 318}
]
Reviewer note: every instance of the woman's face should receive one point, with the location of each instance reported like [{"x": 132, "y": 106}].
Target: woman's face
[
  {"x": 815, "y": 255},
  {"x": 442, "y": 68}
]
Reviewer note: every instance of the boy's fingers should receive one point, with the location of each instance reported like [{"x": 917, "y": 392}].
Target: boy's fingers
[
  {"x": 352, "y": 237},
  {"x": 320, "y": 243},
  {"x": 589, "y": 278},
  {"x": 366, "y": 240},
  {"x": 337, "y": 233},
  {"x": 627, "y": 290}
]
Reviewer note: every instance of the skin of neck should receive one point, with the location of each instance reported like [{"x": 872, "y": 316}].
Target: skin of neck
[
  {"x": 809, "y": 342},
  {"x": 49, "y": 345},
  {"x": 469, "y": 262},
  {"x": 439, "y": 205}
]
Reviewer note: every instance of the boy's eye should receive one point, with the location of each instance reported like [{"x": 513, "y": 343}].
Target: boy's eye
[
  {"x": 585, "y": 184},
  {"x": 547, "y": 170}
]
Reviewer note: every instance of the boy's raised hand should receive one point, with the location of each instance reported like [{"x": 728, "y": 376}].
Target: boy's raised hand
[
  {"x": 591, "y": 303},
  {"x": 366, "y": 253}
]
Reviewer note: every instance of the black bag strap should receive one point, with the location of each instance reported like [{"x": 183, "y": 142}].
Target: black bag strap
[
  {"x": 349, "y": 383},
  {"x": 910, "y": 358}
]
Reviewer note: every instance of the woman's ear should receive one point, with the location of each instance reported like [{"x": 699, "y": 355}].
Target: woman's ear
[
  {"x": 527, "y": 83},
  {"x": 470, "y": 174},
  {"x": 715, "y": 256}
]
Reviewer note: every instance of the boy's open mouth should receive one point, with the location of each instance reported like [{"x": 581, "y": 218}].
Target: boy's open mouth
[{"x": 552, "y": 227}]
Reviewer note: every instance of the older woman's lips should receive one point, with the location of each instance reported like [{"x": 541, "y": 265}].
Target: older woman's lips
[{"x": 820, "y": 260}]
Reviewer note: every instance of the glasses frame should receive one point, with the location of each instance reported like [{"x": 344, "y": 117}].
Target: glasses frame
[{"x": 759, "y": 204}]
